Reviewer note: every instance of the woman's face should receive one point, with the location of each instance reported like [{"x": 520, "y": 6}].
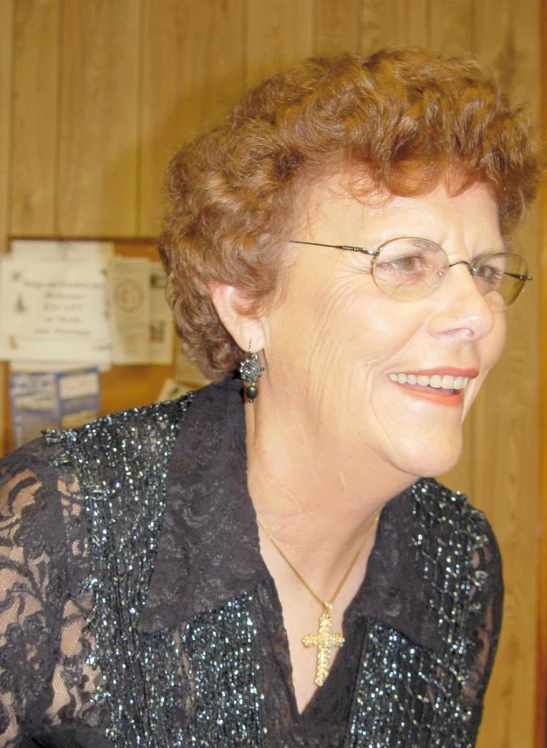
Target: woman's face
[{"x": 335, "y": 344}]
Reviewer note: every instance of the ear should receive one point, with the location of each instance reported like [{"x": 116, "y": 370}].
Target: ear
[{"x": 231, "y": 303}]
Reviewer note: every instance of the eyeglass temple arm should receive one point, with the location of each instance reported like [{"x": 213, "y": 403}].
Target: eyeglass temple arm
[
  {"x": 518, "y": 276},
  {"x": 347, "y": 247},
  {"x": 363, "y": 250}
]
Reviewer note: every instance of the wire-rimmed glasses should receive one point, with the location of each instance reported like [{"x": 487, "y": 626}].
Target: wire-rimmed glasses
[{"x": 410, "y": 268}]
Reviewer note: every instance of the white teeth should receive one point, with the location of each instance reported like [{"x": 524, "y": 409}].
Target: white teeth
[{"x": 446, "y": 382}]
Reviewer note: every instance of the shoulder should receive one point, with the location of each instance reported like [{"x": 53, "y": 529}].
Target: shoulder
[
  {"x": 43, "y": 457},
  {"x": 44, "y": 484},
  {"x": 445, "y": 512},
  {"x": 454, "y": 537},
  {"x": 41, "y": 469},
  {"x": 132, "y": 432},
  {"x": 32, "y": 458},
  {"x": 29, "y": 482},
  {"x": 43, "y": 533}
]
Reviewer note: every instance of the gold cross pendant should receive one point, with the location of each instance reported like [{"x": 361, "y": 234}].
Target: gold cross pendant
[{"x": 325, "y": 640}]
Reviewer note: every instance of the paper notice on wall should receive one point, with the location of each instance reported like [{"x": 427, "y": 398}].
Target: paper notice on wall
[
  {"x": 129, "y": 297},
  {"x": 52, "y": 400},
  {"x": 34, "y": 405},
  {"x": 43, "y": 366},
  {"x": 53, "y": 310},
  {"x": 73, "y": 303},
  {"x": 161, "y": 318},
  {"x": 79, "y": 394}
]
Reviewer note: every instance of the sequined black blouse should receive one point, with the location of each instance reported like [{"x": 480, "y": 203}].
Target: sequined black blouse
[{"x": 136, "y": 609}]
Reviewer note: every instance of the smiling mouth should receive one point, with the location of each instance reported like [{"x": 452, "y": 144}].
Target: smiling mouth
[
  {"x": 437, "y": 382},
  {"x": 444, "y": 386}
]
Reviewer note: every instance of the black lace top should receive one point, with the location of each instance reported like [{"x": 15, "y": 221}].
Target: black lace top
[{"x": 136, "y": 609}]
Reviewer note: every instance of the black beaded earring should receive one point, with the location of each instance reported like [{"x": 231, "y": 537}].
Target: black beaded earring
[{"x": 250, "y": 370}]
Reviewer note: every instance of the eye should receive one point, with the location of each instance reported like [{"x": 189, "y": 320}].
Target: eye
[
  {"x": 490, "y": 273},
  {"x": 416, "y": 264},
  {"x": 410, "y": 263}
]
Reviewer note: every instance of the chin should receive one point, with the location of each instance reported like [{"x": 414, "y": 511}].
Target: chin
[{"x": 437, "y": 462}]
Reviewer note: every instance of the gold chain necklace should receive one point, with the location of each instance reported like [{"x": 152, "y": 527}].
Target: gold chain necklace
[{"x": 325, "y": 639}]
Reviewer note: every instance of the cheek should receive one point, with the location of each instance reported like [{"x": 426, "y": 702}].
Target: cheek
[
  {"x": 332, "y": 345},
  {"x": 332, "y": 337},
  {"x": 302, "y": 336},
  {"x": 356, "y": 338},
  {"x": 315, "y": 344},
  {"x": 355, "y": 331}
]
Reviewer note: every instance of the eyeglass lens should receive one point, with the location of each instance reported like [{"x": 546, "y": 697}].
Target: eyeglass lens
[{"x": 410, "y": 268}]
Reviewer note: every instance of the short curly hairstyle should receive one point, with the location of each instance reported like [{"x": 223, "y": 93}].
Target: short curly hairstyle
[{"x": 406, "y": 118}]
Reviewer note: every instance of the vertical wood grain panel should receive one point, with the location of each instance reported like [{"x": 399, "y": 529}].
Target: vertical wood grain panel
[
  {"x": 507, "y": 436},
  {"x": 35, "y": 116},
  {"x": 6, "y": 38},
  {"x": 541, "y": 699},
  {"x": 97, "y": 184},
  {"x": 393, "y": 23},
  {"x": 279, "y": 33},
  {"x": 192, "y": 73},
  {"x": 337, "y": 26},
  {"x": 451, "y": 25}
]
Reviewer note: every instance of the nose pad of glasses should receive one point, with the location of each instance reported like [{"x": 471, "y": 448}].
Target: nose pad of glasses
[
  {"x": 462, "y": 262},
  {"x": 472, "y": 270}
]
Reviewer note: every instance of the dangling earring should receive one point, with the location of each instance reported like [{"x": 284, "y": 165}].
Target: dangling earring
[{"x": 250, "y": 370}]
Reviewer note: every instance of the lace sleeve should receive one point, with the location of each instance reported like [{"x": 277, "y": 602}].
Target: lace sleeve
[
  {"x": 486, "y": 603},
  {"x": 44, "y": 680}
]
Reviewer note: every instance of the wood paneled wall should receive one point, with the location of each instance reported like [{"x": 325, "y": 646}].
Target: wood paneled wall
[
  {"x": 541, "y": 719},
  {"x": 96, "y": 94}
]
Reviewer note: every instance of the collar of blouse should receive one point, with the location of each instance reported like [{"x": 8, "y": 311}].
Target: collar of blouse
[{"x": 208, "y": 549}]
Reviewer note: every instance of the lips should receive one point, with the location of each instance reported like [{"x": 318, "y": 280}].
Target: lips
[{"x": 443, "y": 386}]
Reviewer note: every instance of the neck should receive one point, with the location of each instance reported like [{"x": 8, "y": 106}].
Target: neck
[{"x": 317, "y": 502}]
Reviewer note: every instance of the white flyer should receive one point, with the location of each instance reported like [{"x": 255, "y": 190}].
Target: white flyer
[
  {"x": 53, "y": 310},
  {"x": 129, "y": 306}
]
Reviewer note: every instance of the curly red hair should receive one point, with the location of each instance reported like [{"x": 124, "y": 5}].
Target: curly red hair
[{"x": 406, "y": 118}]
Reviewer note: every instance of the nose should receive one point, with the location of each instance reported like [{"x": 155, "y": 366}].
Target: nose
[{"x": 462, "y": 312}]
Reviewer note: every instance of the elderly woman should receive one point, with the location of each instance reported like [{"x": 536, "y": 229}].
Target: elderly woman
[{"x": 263, "y": 563}]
